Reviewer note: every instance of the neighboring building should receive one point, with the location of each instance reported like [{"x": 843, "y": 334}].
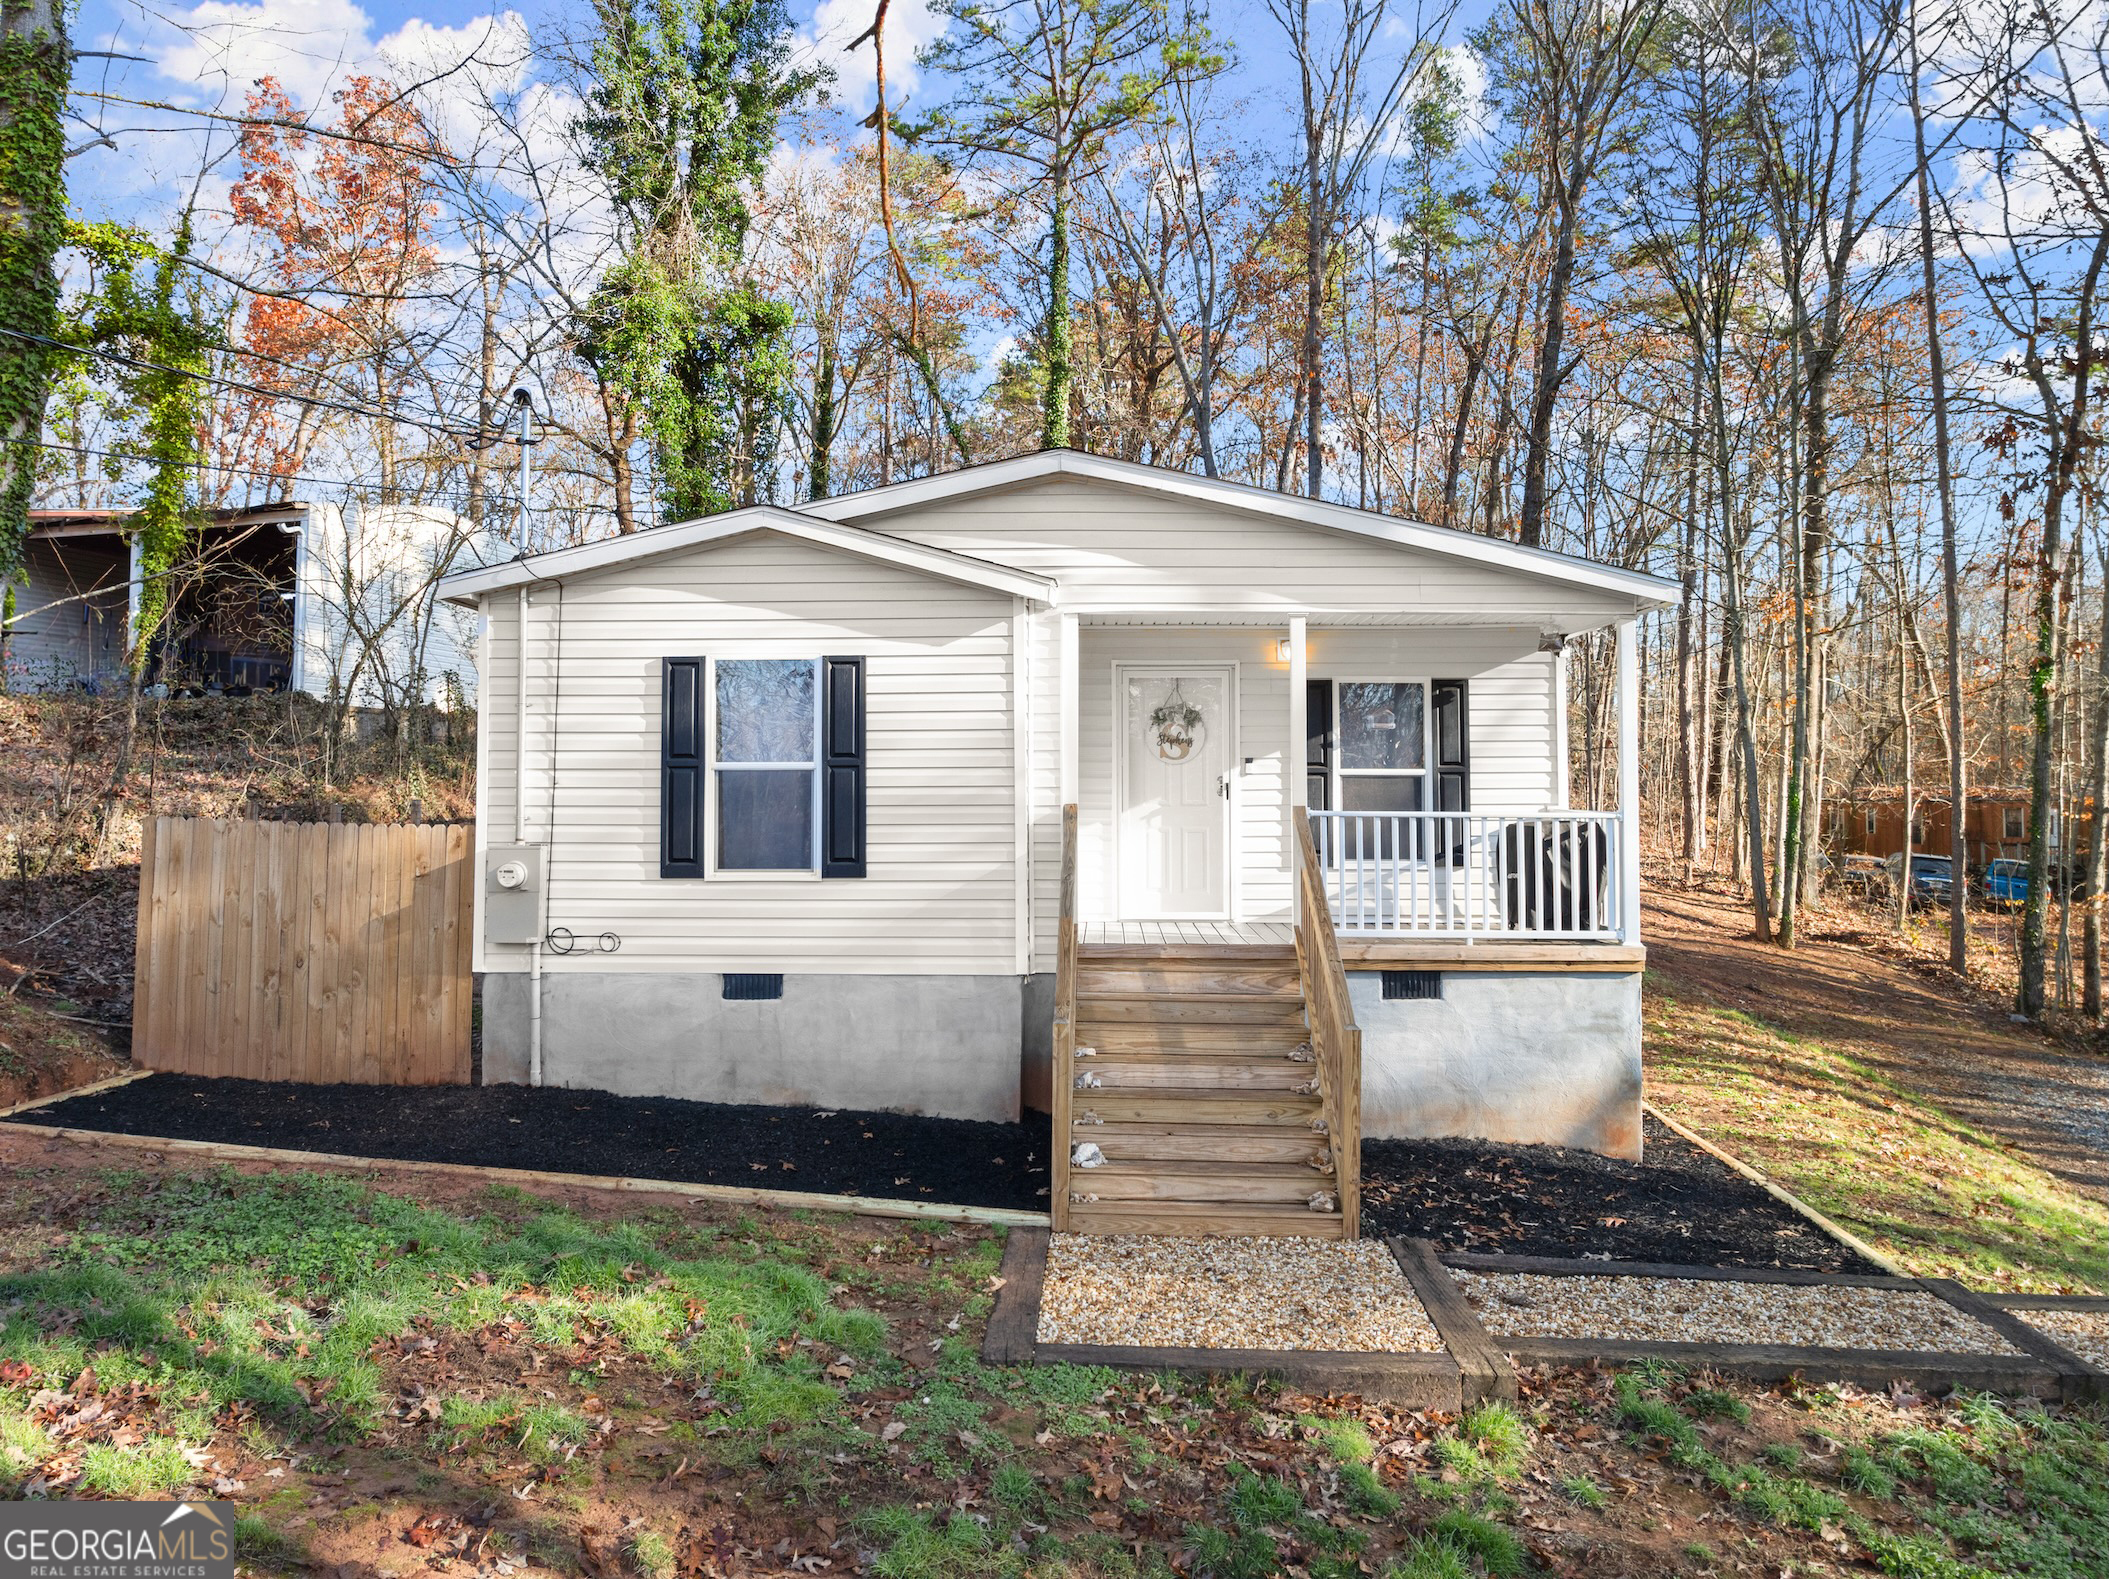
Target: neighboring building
[
  {"x": 1995, "y": 823},
  {"x": 271, "y": 597},
  {"x": 788, "y": 805}
]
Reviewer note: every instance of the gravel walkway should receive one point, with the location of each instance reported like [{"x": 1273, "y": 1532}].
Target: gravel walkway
[
  {"x": 1696, "y": 1310},
  {"x": 2085, "y": 1332},
  {"x": 1309, "y": 1294}
]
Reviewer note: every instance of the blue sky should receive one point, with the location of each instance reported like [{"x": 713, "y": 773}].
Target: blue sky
[{"x": 206, "y": 54}]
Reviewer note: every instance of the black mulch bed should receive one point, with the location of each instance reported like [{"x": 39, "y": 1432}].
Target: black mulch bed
[
  {"x": 954, "y": 1161},
  {"x": 1679, "y": 1205}
]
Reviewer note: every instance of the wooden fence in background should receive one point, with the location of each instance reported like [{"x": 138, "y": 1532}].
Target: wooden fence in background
[{"x": 304, "y": 951}]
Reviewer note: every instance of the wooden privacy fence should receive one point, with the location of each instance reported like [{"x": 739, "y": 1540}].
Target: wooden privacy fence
[{"x": 304, "y": 951}]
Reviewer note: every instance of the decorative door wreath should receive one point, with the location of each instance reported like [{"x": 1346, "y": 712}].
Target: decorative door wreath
[{"x": 1177, "y": 725}]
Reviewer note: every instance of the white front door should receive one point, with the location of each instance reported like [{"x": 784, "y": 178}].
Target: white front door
[{"x": 1178, "y": 729}]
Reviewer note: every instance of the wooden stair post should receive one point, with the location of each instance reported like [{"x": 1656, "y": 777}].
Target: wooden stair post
[
  {"x": 1218, "y": 1086},
  {"x": 1062, "y": 1049}
]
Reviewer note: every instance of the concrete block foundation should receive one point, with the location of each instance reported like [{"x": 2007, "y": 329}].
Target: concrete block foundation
[
  {"x": 945, "y": 1046},
  {"x": 1539, "y": 1057}
]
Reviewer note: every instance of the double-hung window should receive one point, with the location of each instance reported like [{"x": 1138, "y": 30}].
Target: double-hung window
[
  {"x": 1382, "y": 730},
  {"x": 765, "y": 762}
]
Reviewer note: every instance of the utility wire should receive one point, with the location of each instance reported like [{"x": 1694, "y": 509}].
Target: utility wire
[
  {"x": 437, "y": 425},
  {"x": 493, "y": 497}
]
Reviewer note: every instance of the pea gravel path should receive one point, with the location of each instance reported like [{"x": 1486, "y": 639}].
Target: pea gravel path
[
  {"x": 2085, "y": 1332},
  {"x": 1166, "y": 1293},
  {"x": 1694, "y": 1310}
]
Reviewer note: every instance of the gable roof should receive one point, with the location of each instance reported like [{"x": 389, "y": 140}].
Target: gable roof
[
  {"x": 467, "y": 586},
  {"x": 840, "y": 523},
  {"x": 1449, "y": 542}
]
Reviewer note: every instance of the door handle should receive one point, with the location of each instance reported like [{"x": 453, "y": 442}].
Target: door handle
[{"x": 1223, "y": 785}]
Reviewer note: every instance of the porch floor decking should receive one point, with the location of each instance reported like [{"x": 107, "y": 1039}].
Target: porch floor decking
[{"x": 1131, "y": 934}]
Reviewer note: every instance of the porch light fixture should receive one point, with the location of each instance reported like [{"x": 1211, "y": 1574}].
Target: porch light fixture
[
  {"x": 1281, "y": 650},
  {"x": 1553, "y": 642}
]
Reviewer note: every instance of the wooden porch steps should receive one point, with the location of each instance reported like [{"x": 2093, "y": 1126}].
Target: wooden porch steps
[{"x": 1199, "y": 1093}]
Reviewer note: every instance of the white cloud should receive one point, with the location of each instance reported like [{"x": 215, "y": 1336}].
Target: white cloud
[
  {"x": 307, "y": 44},
  {"x": 824, "y": 41},
  {"x": 459, "y": 69}
]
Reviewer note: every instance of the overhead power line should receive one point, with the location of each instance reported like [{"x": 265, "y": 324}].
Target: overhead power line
[
  {"x": 438, "y": 425},
  {"x": 495, "y": 499}
]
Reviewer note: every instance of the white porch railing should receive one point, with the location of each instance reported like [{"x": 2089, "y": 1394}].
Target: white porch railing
[{"x": 1552, "y": 875}]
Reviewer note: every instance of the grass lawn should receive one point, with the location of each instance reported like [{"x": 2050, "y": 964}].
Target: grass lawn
[
  {"x": 1942, "y": 1197},
  {"x": 497, "y": 1385}
]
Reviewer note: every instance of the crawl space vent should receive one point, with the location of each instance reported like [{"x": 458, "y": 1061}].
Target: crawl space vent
[
  {"x": 753, "y": 988},
  {"x": 1413, "y": 984}
]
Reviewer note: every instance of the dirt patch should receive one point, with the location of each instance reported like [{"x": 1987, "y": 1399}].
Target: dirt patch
[
  {"x": 1905, "y": 1017},
  {"x": 886, "y": 1155},
  {"x": 41, "y": 1053},
  {"x": 1678, "y": 1205}
]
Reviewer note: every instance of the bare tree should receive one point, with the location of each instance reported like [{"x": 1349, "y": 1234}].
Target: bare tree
[
  {"x": 1349, "y": 96},
  {"x": 1580, "y": 62}
]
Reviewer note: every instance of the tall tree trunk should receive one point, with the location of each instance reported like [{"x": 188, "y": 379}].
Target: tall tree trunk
[
  {"x": 1317, "y": 231},
  {"x": 1454, "y": 463},
  {"x": 36, "y": 63},
  {"x": 1061, "y": 373},
  {"x": 1808, "y": 623},
  {"x": 1687, "y": 578},
  {"x": 2097, "y": 836},
  {"x": 1911, "y": 843},
  {"x": 819, "y": 477},
  {"x": 1545, "y": 393},
  {"x": 2066, "y": 435},
  {"x": 1951, "y": 579}
]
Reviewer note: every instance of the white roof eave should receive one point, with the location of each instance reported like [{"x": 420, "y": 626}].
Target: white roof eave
[
  {"x": 467, "y": 587},
  {"x": 1646, "y": 591}
]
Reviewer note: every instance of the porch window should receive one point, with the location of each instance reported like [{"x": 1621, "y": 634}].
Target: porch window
[
  {"x": 1382, "y": 729},
  {"x": 765, "y": 742},
  {"x": 2016, "y": 821}
]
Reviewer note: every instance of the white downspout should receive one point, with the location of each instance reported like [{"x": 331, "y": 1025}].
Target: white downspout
[
  {"x": 1629, "y": 779},
  {"x": 526, "y": 438}
]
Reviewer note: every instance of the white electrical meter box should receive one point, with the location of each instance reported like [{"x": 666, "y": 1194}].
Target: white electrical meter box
[{"x": 512, "y": 893}]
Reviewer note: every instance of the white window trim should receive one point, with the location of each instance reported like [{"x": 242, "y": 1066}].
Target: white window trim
[
  {"x": 1425, "y": 772},
  {"x": 712, "y": 768}
]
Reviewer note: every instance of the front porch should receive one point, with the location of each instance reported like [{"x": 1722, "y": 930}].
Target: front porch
[{"x": 1426, "y": 754}]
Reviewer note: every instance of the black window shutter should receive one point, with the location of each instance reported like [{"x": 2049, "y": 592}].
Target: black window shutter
[
  {"x": 1318, "y": 744},
  {"x": 1453, "y": 745},
  {"x": 682, "y": 770},
  {"x": 842, "y": 768}
]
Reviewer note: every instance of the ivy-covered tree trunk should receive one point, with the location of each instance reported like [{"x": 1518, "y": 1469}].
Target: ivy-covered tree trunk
[
  {"x": 819, "y": 471},
  {"x": 36, "y": 60},
  {"x": 173, "y": 396},
  {"x": 1061, "y": 372}
]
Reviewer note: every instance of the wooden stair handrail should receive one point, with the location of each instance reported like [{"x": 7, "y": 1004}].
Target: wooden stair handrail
[
  {"x": 1336, "y": 1041},
  {"x": 1062, "y": 1052}
]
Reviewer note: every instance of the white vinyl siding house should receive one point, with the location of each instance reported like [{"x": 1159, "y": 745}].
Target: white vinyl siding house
[
  {"x": 940, "y": 894},
  {"x": 1019, "y": 630}
]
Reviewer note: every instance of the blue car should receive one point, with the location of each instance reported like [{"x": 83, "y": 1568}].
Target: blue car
[{"x": 2006, "y": 883}]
